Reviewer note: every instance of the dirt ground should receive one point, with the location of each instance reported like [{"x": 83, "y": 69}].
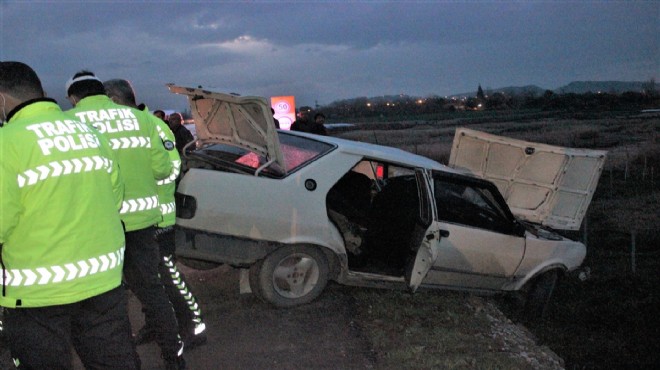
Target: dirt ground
[{"x": 246, "y": 333}]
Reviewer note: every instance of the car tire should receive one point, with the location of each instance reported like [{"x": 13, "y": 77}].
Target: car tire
[
  {"x": 539, "y": 295},
  {"x": 290, "y": 276}
]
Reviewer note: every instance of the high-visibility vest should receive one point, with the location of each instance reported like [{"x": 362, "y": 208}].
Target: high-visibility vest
[
  {"x": 61, "y": 236},
  {"x": 142, "y": 158},
  {"x": 167, "y": 186}
]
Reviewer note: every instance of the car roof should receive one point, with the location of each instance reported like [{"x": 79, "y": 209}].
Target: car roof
[{"x": 381, "y": 152}]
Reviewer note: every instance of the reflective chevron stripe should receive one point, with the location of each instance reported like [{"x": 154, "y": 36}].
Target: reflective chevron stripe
[
  {"x": 167, "y": 208},
  {"x": 191, "y": 302},
  {"x": 130, "y": 142},
  {"x": 176, "y": 169},
  {"x": 161, "y": 133},
  {"x": 62, "y": 168},
  {"x": 139, "y": 204},
  {"x": 70, "y": 271}
]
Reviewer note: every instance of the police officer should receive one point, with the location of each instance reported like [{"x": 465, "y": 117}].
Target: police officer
[
  {"x": 143, "y": 160},
  {"x": 62, "y": 242},
  {"x": 188, "y": 313}
]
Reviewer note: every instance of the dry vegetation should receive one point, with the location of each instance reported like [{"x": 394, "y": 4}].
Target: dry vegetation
[
  {"x": 445, "y": 330},
  {"x": 609, "y": 321}
]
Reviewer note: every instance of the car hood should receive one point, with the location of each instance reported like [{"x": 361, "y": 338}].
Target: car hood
[
  {"x": 243, "y": 121},
  {"x": 541, "y": 183}
]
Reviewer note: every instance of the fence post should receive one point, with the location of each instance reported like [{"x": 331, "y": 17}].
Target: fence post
[
  {"x": 625, "y": 171},
  {"x": 633, "y": 247},
  {"x": 644, "y": 170}
]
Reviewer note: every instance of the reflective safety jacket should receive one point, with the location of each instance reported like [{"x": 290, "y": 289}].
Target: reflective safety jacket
[
  {"x": 167, "y": 186},
  {"x": 142, "y": 158},
  {"x": 61, "y": 238}
]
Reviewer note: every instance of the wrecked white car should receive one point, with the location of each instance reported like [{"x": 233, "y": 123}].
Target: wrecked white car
[{"x": 298, "y": 210}]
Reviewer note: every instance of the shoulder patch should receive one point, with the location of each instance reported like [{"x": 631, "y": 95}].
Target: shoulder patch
[{"x": 168, "y": 144}]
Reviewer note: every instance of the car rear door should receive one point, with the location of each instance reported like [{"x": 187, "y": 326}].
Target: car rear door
[{"x": 425, "y": 241}]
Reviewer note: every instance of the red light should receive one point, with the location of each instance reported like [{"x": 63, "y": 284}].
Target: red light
[{"x": 380, "y": 171}]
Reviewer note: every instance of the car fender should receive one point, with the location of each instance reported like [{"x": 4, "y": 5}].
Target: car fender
[
  {"x": 520, "y": 282},
  {"x": 542, "y": 254},
  {"x": 330, "y": 242}
]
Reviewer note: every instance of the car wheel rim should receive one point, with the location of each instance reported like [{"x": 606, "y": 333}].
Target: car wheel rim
[{"x": 295, "y": 276}]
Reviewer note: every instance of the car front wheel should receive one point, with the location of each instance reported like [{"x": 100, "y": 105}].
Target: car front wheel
[
  {"x": 290, "y": 276},
  {"x": 539, "y": 295}
]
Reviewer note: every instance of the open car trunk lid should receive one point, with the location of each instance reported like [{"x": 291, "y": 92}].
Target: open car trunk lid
[
  {"x": 541, "y": 183},
  {"x": 242, "y": 121}
]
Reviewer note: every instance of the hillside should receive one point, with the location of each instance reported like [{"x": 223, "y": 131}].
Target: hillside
[
  {"x": 617, "y": 87},
  {"x": 575, "y": 87}
]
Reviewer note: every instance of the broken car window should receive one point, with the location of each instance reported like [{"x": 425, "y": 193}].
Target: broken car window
[{"x": 470, "y": 204}]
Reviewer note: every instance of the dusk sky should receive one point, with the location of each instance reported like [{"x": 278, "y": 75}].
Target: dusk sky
[{"x": 322, "y": 51}]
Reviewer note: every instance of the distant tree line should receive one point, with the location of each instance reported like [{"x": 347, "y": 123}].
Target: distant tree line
[{"x": 407, "y": 106}]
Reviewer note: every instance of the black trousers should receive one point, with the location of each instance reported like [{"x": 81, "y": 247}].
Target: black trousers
[
  {"x": 98, "y": 328},
  {"x": 141, "y": 275},
  {"x": 186, "y": 308}
]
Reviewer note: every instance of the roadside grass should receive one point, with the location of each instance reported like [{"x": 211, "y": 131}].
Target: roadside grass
[
  {"x": 609, "y": 321},
  {"x": 612, "y": 320},
  {"x": 623, "y": 137},
  {"x": 438, "y": 330}
]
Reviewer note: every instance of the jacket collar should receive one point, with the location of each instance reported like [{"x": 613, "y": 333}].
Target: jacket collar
[
  {"x": 25, "y": 104},
  {"x": 92, "y": 99}
]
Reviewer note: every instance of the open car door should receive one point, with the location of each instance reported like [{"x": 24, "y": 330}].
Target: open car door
[
  {"x": 425, "y": 242},
  {"x": 242, "y": 121},
  {"x": 541, "y": 183}
]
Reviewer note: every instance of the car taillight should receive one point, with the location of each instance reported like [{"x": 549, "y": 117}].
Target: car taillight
[{"x": 185, "y": 206}]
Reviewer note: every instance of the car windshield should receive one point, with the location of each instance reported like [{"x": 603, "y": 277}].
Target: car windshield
[{"x": 297, "y": 152}]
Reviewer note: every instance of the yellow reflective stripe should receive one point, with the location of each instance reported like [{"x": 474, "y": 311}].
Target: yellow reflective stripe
[
  {"x": 130, "y": 142},
  {"x": 61, "y": 273},
  {"x": 139, "y": 204},
  {"x": 176, "y": 169},
  {"x": 167, "y": 208},
  {"x": 63, "y": 168},
  {"x": 161, "y": 133}
]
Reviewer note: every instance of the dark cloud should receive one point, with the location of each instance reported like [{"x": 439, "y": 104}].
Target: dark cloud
[{"x": 323, "y": 51}]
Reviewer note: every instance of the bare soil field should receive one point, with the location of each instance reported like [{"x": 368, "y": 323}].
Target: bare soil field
[{"x": 609, "y": 321}]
